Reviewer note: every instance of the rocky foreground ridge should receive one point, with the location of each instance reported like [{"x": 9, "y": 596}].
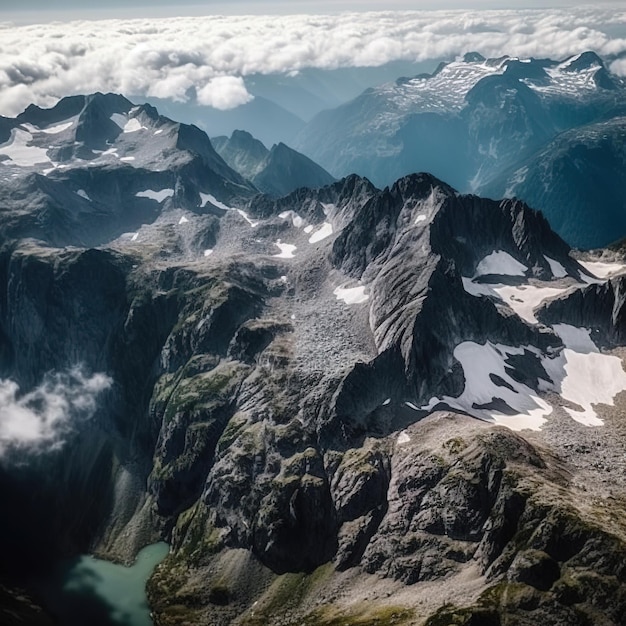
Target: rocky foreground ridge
[{"x": 342, "y": 406}]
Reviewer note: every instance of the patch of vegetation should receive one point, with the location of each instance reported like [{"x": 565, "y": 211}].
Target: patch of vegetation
[
  {"x": 197, "y": 538},
  {"x": 451, "y": 615},
  {"x": 287, "y": 593},
  {"x": 233, "y": 429},
  {"x": 204, "y": 390},
  {"x": 367, "y": 616},
  {"x": 456, "y": 445}
]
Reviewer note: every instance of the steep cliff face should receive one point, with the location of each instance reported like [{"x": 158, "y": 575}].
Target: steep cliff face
[{"x": 306, "y": 397}]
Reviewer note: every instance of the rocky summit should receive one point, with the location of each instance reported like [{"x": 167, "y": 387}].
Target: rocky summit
[{"x": 344, "y": 405}]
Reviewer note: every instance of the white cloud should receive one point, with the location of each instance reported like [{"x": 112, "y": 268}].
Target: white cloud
[
  {"x": 43, "y": 416},
  {"x": 224, "y": 92},
  {"x": 166, "y": 57}
]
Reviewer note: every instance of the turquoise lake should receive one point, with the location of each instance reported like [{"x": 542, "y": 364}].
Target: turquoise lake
[{"x": 91, "y": 592}]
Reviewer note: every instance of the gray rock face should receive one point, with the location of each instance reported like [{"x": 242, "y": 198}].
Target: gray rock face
[
  {"x": 581, "y": 169},
  {"x": 278, "y": 367},
  {"x": 275, "y": 172}
]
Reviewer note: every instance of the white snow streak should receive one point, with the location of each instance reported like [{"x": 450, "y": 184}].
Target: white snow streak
[
  {"x": 296, "y": 220},
  {"x": 558, "y": 271},
  {"x": 326, "y": 230},
  {"x": 286, "y": 250},
  {"x": 523, "y": 299},
  {"x": 159, "y": 196},
  {"x": 502, "y": 264},
  {"x": 207, "y": 197},
  {"x": 351, "y": 295},
  {"x": 20, "y": 152},
  {"x": 602, "y": 270}
]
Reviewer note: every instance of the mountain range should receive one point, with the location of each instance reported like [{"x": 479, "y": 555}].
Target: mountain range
[
  {"x": 526, "y": 128},
  {"x": 342, "y": 405}
]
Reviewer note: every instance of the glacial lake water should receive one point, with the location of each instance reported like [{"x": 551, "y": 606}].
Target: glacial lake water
[{"x": 91, "y": 592}]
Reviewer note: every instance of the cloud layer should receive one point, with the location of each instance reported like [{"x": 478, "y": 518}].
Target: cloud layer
[
  {"x": 166, "y": 57},
  {"x": 43, "y": 416}
]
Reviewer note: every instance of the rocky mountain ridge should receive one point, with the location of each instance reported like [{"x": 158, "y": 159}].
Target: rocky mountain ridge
[{"x": 313, "y": 398}]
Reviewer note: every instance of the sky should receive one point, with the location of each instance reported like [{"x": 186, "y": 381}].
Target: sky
[
  {"x": 51, "y": 54},
  {"x": 26, "y": 11}
]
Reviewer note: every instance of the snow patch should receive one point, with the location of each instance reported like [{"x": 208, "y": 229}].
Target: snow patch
[
  {"x": 208, "y": 252},
  {"x": 325, "y": 231},
  {"x": 387, "y": 402},
  {"x": 481, "y": 363},
  {"x": 403, "y": 438},
  {"x": 134, "y": 237},
  {"x": 420, "y": 218},
  {"x": 601, "y": 270},
  {"x": 577, "y": 339},
  {"x": 296, "y": 220},
  {"x": 133, "y": 125},
  {"x": 523, "y": 299},
  {"x": 286, "y": 250},
  {"x": 159, "y": 196},
  {"x": 83, "y": 194},
  {"x": 351, "y": 295},
  {"x": 502, "y": 264},
  {"x": 119, "y": 119},
  {"x": 207, "y": 197},
  {"x": 308, "y": 229},
  {"x": 182, "y": 220},
  {"x": 128, "y": 158},
  {"x": 580, "y": 374},
  {"x": 22, "y": 154},
  {"x": 583, "y": 375},
  {"x": 558, "y": 271}
]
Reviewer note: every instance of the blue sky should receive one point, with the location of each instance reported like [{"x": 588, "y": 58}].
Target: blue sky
[{"x": 44, "y": 10}]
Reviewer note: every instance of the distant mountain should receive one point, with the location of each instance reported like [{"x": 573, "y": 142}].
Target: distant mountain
[
  {"x": 469, "y": 122},
  {"x": 311, "y": 90},
  {"x": 277, "y": 171},
  {"x": 265, "y": 119},
  {"x": 94, "y": 167},
  {"x": 578, "y": 179}
]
